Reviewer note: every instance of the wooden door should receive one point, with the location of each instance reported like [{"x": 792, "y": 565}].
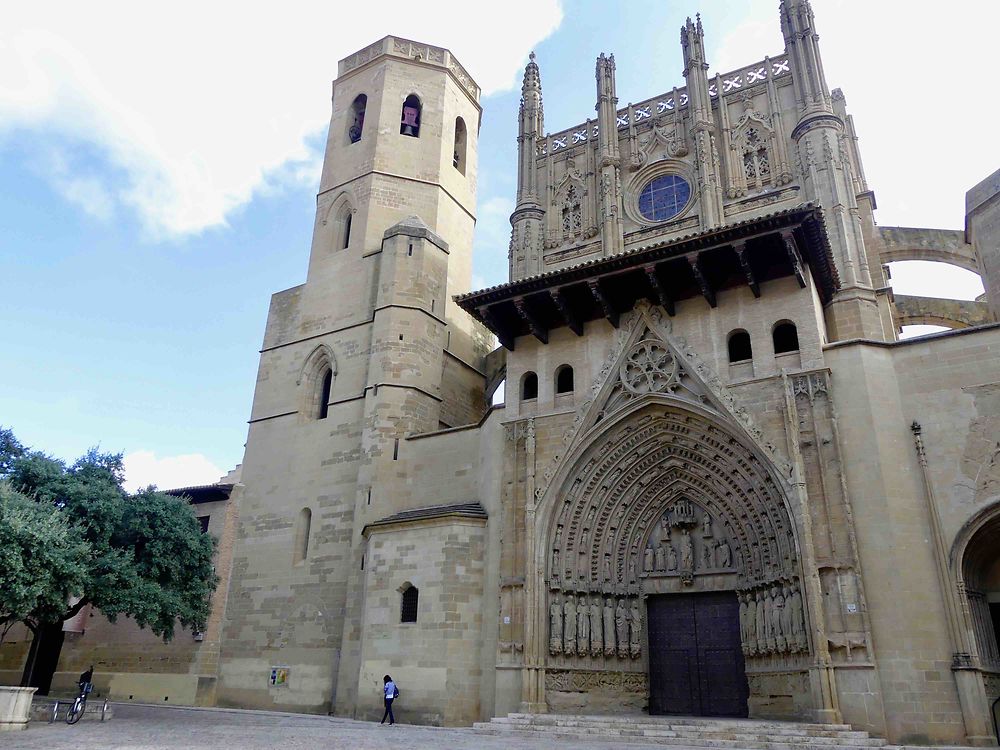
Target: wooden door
[{"x": 695, "y": 660}]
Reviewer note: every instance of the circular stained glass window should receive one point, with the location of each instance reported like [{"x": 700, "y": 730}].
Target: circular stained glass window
[{"x": 664, "y": 197}]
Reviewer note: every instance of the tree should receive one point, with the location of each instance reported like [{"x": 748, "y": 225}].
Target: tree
[
  {"x": 42, "y": 561},
  {"x": 144, "y": 554}
]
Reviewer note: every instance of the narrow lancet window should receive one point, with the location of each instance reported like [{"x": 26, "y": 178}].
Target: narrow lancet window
[{"x": 460, "y": 145}]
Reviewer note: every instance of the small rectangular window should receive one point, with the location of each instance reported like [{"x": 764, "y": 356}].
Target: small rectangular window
[{"x": 203, "y": 520}]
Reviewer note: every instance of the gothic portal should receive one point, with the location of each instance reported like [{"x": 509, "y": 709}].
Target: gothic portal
[{"x": 719, "y": 482}]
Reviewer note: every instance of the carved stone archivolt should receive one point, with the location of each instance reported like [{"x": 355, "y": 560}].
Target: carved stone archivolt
[{"x": 667, "y": 490}]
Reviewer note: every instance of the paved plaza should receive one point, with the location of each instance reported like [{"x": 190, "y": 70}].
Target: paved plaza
[{"x": 138, "y": 727}]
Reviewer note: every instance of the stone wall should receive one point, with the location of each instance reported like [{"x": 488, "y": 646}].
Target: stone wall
[{"x": 435, "y": 660}]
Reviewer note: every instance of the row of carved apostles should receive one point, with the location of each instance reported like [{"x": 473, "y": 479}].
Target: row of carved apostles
[
  {"x": 771, "y": 620},
  {"x": 663, "y": 557},
  {"x": 595, "y": 626}
]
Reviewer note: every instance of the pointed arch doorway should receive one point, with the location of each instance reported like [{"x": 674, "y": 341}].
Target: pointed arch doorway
[{"x": 668, "y": 530}]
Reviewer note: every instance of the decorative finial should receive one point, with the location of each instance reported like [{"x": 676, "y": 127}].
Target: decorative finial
[{"x": 531, "y": 56}]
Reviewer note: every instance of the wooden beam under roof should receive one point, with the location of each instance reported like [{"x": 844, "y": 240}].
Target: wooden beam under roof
[
  {"x": 571, "y": 318},
  {"x": 528, "y": 315}
]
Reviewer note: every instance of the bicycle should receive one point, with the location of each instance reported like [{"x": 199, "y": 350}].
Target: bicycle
[{"x": 79, "y": 705}]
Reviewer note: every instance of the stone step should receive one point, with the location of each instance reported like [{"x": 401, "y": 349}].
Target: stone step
[
  {"x": 648, "y": 737},
  {"x": 689, "y": 732},
  {"x": 682, "y": 727},
  {"x": 820, "y": 741},
  {"x": 630, "y": 719}
]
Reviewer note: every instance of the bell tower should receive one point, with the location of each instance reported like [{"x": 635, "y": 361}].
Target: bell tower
[
  {"x": 402, "y": 142},
  {"x": 369, "y": 351}
]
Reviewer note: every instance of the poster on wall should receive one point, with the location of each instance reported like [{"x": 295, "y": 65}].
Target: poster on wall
[{"x": 278, "y": 677}]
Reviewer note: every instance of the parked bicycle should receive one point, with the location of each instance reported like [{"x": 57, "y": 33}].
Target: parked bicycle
[{"x": 79, "y": 705}]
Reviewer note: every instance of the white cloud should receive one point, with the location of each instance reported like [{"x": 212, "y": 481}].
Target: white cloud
[
  {"x": 195, "y": 106},
  {"x": 143, "y": 468}
]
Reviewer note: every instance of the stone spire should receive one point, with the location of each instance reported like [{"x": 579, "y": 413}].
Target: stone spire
[
  {"x": 608, "y": 161},
  {"x": 827, "y": 176},
  {"x": 531, "y": 127},
  {"x": 798, "y": 26},
  {"x": 703, "y": 128},
  {"x": 526, "y": 238}
]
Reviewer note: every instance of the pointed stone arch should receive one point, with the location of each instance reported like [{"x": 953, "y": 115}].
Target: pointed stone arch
[
  {"x": 339, "y": 219},
  {"x": 311, "y": 380},
  {"x": 661, "y": 454},
  {"x": 570, "y": 202}
]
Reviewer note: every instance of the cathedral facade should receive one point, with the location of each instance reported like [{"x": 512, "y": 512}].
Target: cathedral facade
[{"x": 719, "y": 484}]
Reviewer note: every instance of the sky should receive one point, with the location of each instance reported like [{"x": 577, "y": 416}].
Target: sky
[{"x": 159, "y": 165}]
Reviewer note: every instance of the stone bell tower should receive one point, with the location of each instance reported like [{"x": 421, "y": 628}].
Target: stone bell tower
[{"x": 370, "y": 350}]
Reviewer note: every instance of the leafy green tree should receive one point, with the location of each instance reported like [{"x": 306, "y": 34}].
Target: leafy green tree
[
  {"x": 144, "y": 554},
  {"x": 43, "y": 562}
]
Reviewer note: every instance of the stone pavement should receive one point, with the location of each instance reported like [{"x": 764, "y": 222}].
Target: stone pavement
[{"x": 137, "y": 727}]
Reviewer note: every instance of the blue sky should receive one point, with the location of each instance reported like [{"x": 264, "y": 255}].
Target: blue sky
[{"x": 158, "y": 170}]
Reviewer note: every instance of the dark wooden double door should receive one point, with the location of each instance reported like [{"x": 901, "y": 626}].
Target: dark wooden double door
[{"x": 695, "y": 659}]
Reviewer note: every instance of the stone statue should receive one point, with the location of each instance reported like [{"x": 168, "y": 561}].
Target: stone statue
[
  {"x": 621, "y": 628},
  {"x": 744, "y": 630},
  {"x": 798, "y": 624},
  {"x": 751, "y": 623},
  {"x": 777, "y": 605},
  {"x": 661, "y": 563},
  {"x": 671, "y": 557},
  {"x": 596, "y": 644},
  {"x": 607, "y": 567},
  {"x": 707, "y": 554},
  {"x": 786, "y": 619},
  {"x": 583, "y": 626},
  {"x": 647, "y": 560},
  {"x": 687, "y": 552},
  {"x": 768, "y": 600},
  {"x": 609, "y": 628},
  {"x": 558, "y": 540},
  {"x": 635, "y": 630},
  {"x": 555, "y": 562},
  {"x": 584, "y": 540},
  {"x": 632, "y": 578},
  {"x": 760, "y": 623},
  {"x": 706, "y": 525},
  {"x": 555, "y": 626},
  {"x": 724, "y": 554},
  {"x": 583, "y": 566},
  {"x": 569, "y": 626}
]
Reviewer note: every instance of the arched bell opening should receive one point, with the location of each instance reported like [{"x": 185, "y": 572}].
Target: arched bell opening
[{"x": 667, "y": 476}]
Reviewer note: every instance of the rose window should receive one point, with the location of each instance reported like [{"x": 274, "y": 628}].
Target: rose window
[{"x": 649, "y": 368}]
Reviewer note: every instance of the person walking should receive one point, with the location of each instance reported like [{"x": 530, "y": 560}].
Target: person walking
[{"x": 391, "y": 693}]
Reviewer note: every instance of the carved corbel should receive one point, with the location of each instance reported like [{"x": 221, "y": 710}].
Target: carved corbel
[
  {"x": 505, "y": 339},
  {"x": 741, "y": 253},
  {"x": 609, "y": 311},
  {"x": 538, "y": 330},
  {"x": 567, "y": 313},
  {"x": 662, "y": 297},
  {"x": 706, "y": 290},
  {"x": 794, "y": 257}
]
